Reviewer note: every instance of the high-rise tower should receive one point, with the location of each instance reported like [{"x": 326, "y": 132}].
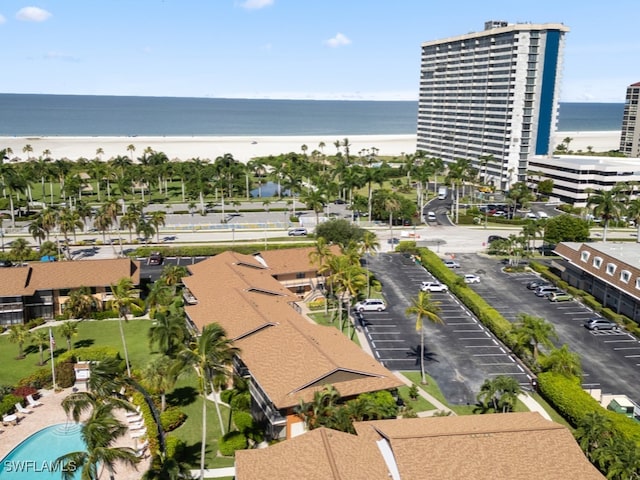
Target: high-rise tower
[
  {"x": 630, "y": 136},
  {"x": 491, "y": 97}
]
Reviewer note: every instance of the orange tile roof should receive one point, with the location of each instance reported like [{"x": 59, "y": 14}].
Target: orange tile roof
[
  {"x": 17, "y": 281},
  {"x": 501, "y": 446},
  {"x": 289, "y": 357},
  {"x": 292, "y": 260}
]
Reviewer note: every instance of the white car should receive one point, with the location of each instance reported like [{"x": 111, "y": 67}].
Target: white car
[
  {"x": 451, "y": 264},
  {"x": 470, "y": 278},
  {"x": 433, "y": 287},
  {"x": 371, "y": 305}
]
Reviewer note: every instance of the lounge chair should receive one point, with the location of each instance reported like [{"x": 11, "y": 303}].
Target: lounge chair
[
  {"x": 22, "y": 410},
  {"x": 139, "y": 433},
  {"x": 33, "y": 402},
  {"x": 135, "y": 419},
  {"x": 8, "y": 419},
  {"x": 136, "y": 426}
]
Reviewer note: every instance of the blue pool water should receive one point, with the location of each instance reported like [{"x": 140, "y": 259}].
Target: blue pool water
[{"x": 34, "y": 458}]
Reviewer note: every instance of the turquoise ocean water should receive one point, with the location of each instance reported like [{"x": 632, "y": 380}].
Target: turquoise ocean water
[{"x": 84, "y": 115}]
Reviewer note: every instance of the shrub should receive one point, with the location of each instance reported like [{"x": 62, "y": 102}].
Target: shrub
[
  {"x": 174, "y": 446},
  {"x": 241, "y": 401},
  {"x": 227, "y": 395},
  {"x": 65, "y": 375},
  {"x": 94, "y": 353},
  {"x": 172, "y": 418},
  {"x": 231, "y": 442},
  {"x": 24, "y": 391},
  {"x": 7, "y": 405},
  {"x": 104, "y": 314},
  {"x": 41, "y": 378},
  {"x": 317, "y": 304},
  {"x": 243, "y": 421},
  {"x": 35, "y": 322}
]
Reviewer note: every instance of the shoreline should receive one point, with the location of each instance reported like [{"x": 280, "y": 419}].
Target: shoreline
[{"x": 245, "y": 147}]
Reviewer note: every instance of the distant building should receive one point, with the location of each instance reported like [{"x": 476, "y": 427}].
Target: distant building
[
  {"x": 491, "y": 94},
  {"x": 493, "y": 447},
  {"x": 630, "y": 136},
  {"x": 575, "y": 176}
]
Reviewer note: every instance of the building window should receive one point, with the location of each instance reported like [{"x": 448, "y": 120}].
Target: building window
[
  {"x": 584, "y": 256},
  {"x": 611, "y": 268},
  {"x": 625, "y": 276},
  {"x": 300, "y": 275},
  {"x": 597, "y": 262},
  {"x": 638, "y": 283}
]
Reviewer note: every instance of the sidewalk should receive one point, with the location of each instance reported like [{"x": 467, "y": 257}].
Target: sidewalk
[{"x": 533, "y": 406}]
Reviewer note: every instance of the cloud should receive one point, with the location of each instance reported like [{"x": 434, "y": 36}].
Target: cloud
[
  {"x": 255, "y": 4},
  {"x": 338, "y": 41},
  {"x": 2, "y": 19},
  {"x": 32, "y": 14}
]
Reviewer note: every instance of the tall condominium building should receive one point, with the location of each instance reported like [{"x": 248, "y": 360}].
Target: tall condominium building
[
  {"x": 491, "y": 97},
  {"x": 630, "y": 136}
]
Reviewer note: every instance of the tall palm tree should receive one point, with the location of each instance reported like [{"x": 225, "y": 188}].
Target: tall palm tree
[
  {"x": 41, "y": 339},
  {"x": 369, "y": 245},
  {"x": 68, "y": 330},
  {"x": 157, "y": 220},
  {"x": 172, "y": 276},
  {"x": 99, "y": 433},
  {"x": 607, "y": 205},
  {"x": 633, "y": 213},
  {"x": 124, "y": 295},
  {"x": 423, "y": 307},
  {"x": 36, "y": 229},
  {"x": 501, "y": 391},
  {"x": 20, "y": 249},
  {"x": 159, "y": 377},
  {"x": 168, "y": 332},
  {"x": 80, "y": 303},
  {"x": 210, "y": 355},
  {"x": 531, "y": 332}
]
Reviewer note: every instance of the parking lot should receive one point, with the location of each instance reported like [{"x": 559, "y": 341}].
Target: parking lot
[
  {"x": 610, "y": 360},
  {"x": 460, "y": 355}
]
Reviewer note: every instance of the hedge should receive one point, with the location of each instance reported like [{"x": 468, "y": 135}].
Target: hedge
[
  {"x": 172, "y": 418},
  {"x": 95, "y": 353},
  {"x": 229, "y": 443},
  {"x": 243, "y": 421},
  {"x": 8, "y": 403}
]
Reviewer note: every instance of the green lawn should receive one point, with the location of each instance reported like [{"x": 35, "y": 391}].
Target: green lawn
[
  {"x": 102, "y": 332},
  {"x": 328, "y": 320},
  {"x": 186, "y": 396},
  {"x": 418, "y": 405}
]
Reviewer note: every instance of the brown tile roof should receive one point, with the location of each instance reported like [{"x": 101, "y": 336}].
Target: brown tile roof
[
  {"x": 321, "y": 454},
  {"x": 289, "y": 357},
  {"x": 500, "y": 446},
  {"x": 292, "y": 260},
  {"x": 35, "y": 276}
]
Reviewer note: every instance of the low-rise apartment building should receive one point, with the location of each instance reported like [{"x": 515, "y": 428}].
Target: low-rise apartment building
[
  {"x": 40, "y": 289},
  {"x": 285, "y": 356}
]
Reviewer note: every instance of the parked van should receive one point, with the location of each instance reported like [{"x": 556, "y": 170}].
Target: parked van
[{"x": 546, "y": 290}]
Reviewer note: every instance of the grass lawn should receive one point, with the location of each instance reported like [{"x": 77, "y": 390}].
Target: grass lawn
[
  {"x": 327, "y": 319},
  {"x": 418, "y": 405},
  {"x": 101, "y": 332},
  {"x": 186, "y": 396}
]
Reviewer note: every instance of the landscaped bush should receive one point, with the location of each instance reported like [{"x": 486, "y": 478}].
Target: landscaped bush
[
  {"x": 227, "y": 395},
  {"x": 241, "y": 401},
  {"x": 35, "y": 322},
  {"x": 65, "y": 375},
  {"x": 105, "y": 314},
  {"x": 175, "y": 446},
  {"x": 243, "y": 421},
  {"x": 231, "y": 442},
  {"x": 317, "y": 304},
  {"x": 25, "y": 391},
  {"x": 7, "y": 405},
  {"x": 92, "y": 354},
  {"x": 41, "y": 378},
  {"x": 172, "y": 418}
]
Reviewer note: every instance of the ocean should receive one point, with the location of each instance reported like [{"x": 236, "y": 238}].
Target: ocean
[{"x": 24, "y": 115}]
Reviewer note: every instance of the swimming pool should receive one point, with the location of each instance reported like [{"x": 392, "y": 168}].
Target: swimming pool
[{"x": 34, "y": 458}]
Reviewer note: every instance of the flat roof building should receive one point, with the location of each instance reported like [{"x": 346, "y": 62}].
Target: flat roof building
[{"x": 491, "y": 94}]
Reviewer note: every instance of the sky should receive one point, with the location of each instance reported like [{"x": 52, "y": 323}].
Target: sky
[{"x": 295, "y": 49}]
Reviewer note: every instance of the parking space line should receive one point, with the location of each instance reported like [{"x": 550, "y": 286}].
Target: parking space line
[
  {"x": 481, "y": 346},
  {"x": 627, "y": 348},
  {"x": 621, "y": 341}
]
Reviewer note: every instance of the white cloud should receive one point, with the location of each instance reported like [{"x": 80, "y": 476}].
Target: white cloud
[
  {"x": 2, "y": 19},
  {"x": 32, "y": 14},
  {"x": 255, "y": 4},
  {"x": 338, "y": 40}
]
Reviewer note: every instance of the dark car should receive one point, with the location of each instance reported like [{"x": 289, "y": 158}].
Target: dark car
[
  {"x": 493, "y": 238},
  {"x": 537, "y": 283},
  {"x": 155, "y": 258},
  {"x": 599, "y": 323},
  {"x": 6, "y": 263}
]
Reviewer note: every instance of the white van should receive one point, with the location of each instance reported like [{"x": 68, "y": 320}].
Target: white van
[
  {"x": 431, "y": 217},
  {"x": 542, "y": 215}
]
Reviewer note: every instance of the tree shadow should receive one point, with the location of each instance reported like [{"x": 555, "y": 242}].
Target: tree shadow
[
  {"x": 428, "y": 355},
  {"x": 87, "y": 342},
  {"x": 190, "y": 454},
  {"x": 28, "y": 350},
  {"x": 182, "y": 396}
]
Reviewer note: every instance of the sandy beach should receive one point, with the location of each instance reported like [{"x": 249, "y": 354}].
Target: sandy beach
[{"x": 243, "y": 148}]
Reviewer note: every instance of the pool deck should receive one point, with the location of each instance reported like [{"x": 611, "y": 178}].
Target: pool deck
[{"x": 51, "y": 413}]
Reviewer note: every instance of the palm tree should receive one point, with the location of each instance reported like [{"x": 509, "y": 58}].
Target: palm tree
[
  {"x": 210, "y": 355},
  {"x": 164, "y": 467},
  {"x": 530, "y": 332},
  {"x": 41, "y": 339},
  {"x": 172, "y": 276},
  {"x": 99, "y": 433},
  {"x": 68, "y": 330},
  {"x": 633, "y": 213},
  {"x": 36, "y": 229},
  {"x": 80, "y": 303},
  {"x": 563, "y": 361},
  {"x": 319, "y": 411},
  {"x": 19, "y": 334},
  {"x": 157, "y": 220},
  {"x": 607, "y": 205},
  {"x": 124, "y": 295},
  {"x": 20, "y": 249},
  {"x": 593, "y": 432},
  {"x": 423, "y": 307},
  {"x": 160, "y": 377},
  {"x": 501, "y": 392},
  {"x": 168, "y": 332}
]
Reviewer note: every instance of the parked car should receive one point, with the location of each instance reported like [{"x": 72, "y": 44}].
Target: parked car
[
  {"x": 451, "y": 264},
  {"x": 6, "y": 263},
  {"x": 599, "y": 323},
  {"x": 370, "y": 305},
  {"x": 493, "y": 238},
  {"x": 393, "y": 241},
  {"x": 433, "y": 287},
  {"x": 298, "y": 232},
  {"x": 156, "y": 258},
  {"x": 545, "y": 290},
  {"x": 560, "y": 296},
  {"x": 431, "y": 217},
  {"x": 537, "y": 283},
  {"x": 470, "y": 278}
]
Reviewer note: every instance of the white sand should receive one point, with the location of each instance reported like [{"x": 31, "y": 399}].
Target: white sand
[{"x": 243, "y": 148}]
